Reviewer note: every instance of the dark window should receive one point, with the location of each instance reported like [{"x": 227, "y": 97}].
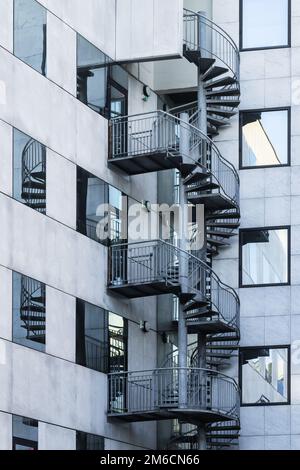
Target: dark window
[
  {"x": 25, "y": 433},
  {"x": 101, "y": 209},
  {"x": 264, "y": 375},
  {"x": 92, "y": 72},
  {"x": 30, "y": 33},
  {"x": 265, "y": 138},
  {"x": 29, "y": 185},
  {"x": 117, "y": 92},
  {"x": 265, "y": 23},
  {"x": 86, "y": 441},
  {"x": 29, "y": 312},
  {"x": 101, "y": 338},
  {"x": 264, "y": 256}
]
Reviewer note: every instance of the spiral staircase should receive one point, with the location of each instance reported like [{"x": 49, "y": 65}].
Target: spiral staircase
[
  {"x": 34, "y": 175},
  {"x": 33, "y": 309},
  {"x": 195, "y": 396}
]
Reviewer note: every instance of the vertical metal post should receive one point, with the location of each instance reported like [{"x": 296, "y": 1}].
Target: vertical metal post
[
  {"x": 203, "y": 389},
  {"x": 183, "y": 267}
]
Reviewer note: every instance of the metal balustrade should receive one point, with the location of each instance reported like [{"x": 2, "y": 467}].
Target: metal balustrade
[
  {"x": 203, "y": 35},
  {"x": 158, "y": 261},
  {"x": 159, "y": 133},
  {"x": 158, "y": 389}
]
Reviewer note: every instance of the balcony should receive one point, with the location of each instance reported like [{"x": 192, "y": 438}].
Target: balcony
[{"x": 192, "y": 395}]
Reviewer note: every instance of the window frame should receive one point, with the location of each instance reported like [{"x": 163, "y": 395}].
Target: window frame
[
  {"x": 289, "y": 140},
  {"x": 247, "y": 229},
  {"x": 263, "y": 48},
  {"x": 285, "y": 346}
]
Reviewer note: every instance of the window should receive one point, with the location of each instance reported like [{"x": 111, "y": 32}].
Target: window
[
  {"x": 101, "y": 339},
  {"x": 29, "y": 312},
  {"x": 86, "y": 441},
  {"x": 264, "y": 256},
  {"x": 264, "y": 375},
  {"x": 29, "y": 184},
  {"x": 101, "y": 209},
  {"x": 30, "y": 34},
  {"x": 25, "y": 433},
  {"x": 265, "y": 24},
  {"x": 92, "y": 70},
  {"x": 265, "y": 138}
]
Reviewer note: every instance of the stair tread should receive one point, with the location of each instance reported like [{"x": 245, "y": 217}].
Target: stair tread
[
  {"x": 213, "y": 241},
  {"x": 227, "y": 103},
  {"x": 34, "y": 185},
  {"x": 32, "y": 196},
  {"x": 220, "y": 233},
  {"x": 218, "y": 122},
  {"x": 220, "y": 112},
  {"x": 203, "y": 187},
  {"x": 221, "y": 82},
  {"x": 214, "y": 72},
  {"x": 224, "y": 92}
]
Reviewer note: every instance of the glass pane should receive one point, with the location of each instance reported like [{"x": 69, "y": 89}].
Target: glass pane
[
  {"x": 30, "y": 33},
  {"x": 91, "y": 336},
  {"x": 91, "y": 76},
  {"x": 29, "y": 185},
  {"x": 265, "y": 138},
  {"x": 25, "y": 433},
  {"x": 265, "y": 23},
  {"x": 264, "y": 375},
  {"x": 118, "y": 343},
  {"x": 264, "y": 256},
  {"x": 101, "y": 209},
  {"x": 29, "y": 312},
  {"x": 86, "y": 441}
]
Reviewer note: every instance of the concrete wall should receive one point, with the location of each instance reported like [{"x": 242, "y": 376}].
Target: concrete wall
[{"x": 269, "y": 315}]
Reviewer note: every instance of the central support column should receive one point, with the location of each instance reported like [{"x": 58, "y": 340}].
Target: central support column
[{"x": 183, "y": 266}]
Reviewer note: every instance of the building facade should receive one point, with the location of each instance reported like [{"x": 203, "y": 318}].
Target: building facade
[{"x": 125, "y": 325}]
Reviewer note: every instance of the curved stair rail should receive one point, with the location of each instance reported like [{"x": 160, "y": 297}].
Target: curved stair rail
[
  {"x": 200, "y": 34},
  {"x": 150, "y": 391},
  {"x": 157, "y": 134}
]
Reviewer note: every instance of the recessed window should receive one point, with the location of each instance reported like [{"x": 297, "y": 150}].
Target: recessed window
[
  {"x": 101, "y": 338},
  {"x": 264, "y": 256},
  {"x": 25, "y": 433},
  {"x": 265, "y": 138},
  {"x": 29, "y": 185},
  {"x": 265, "y": 24},
  {"x": 101, "y": 209},
  {"x": 86, "y": 441},
  {"x": 264, "y": 375},
  {"x": 30, "y": 34},
  {"x": 29, "y": 312}
]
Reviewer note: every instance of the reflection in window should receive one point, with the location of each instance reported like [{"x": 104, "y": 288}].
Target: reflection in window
[
  {"x": 29, "y": 312},
  {"x": 101, "y": 338},
  {"x": 264, "y": 256},
  {"x": 265, "y": 137},
  {"x": 30, "y": 33},
  {"x": 25, "y": 433},
  {"x": 101, "y": 209},
  {"x": 29, "y": 185},
  {"x": 264, "y": 375},
  {"x": 86, "y": 441},
  {"x": 265, "y": 23},
  {"x": 92, "y": 69}
]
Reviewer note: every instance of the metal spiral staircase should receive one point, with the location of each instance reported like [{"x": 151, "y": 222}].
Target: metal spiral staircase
[
  {"x": 33, "y": 309},
  {"x": 34, "y": 175},
  {"x": 195, "y": 396}
]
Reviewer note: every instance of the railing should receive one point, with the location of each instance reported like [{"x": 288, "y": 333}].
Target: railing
[
  {"x": 159, "y": 132},
  {"x": 154, "y": 390},
  {"x": 203, "y": 35},
  {"x": 159, "y": 261}
]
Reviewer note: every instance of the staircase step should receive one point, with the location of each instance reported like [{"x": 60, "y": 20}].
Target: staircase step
[
  {"x": 222, "y": 216},
  {"x": 205, "y": 186},
  {"x": 227, "y": 103},
  {"x": 218, "y": 122},
  {"x": 194, "y": 316},
  {"x": 32, "y": 196},
  {"x": 195, "y": 177},
  {"x": 36, "y": 206},
  {"x": 214, "y": 72},
  {"x": 185, "y": 297},
  {"x": 35, "y": 327},
  {"x": 217, "y": 338},
  {"x": 222, "y": 436},
  {"x": 224, "y": 92},
  {"x": 34, "y": 185},
  {"x": 215, "y": 242},
  {"x": 205, "y": 64},
  {"x": 212, "y": 131},
  {"x": 32, "y": 318},
  {"x": 223, "y": 427},
  {"x": 33, "y": 308},
  {"x": 220, "y": 233},
  {"x": 39, "y": 300},
  {"x": 221, "y": 82},
  {"x": 195, "y": 305},
  {"x": 220, "y": 112},
  {"x": 218, "y": 356},
  {"x": 187, "y": 168},
  {"x": 39, "y": 175}
]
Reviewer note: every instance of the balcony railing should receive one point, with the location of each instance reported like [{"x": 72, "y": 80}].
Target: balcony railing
[
  {"x": 158, "y": 261},
  {"x": 159, "y": 133},
  {"x": 155, "y": 390}
]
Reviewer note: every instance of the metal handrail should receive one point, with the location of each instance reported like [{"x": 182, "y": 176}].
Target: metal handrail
[
  {"x": 220, "y": 44},
  {"x": 155, "y": 389},
  {"x": 159, "y": 132}
]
